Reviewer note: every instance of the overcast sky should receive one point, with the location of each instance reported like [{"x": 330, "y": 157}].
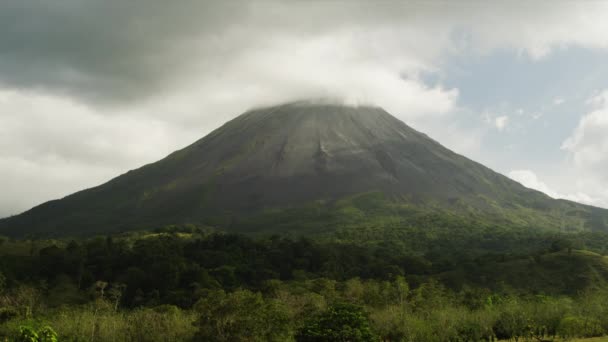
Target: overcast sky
[{"x": 90, "y": 89}]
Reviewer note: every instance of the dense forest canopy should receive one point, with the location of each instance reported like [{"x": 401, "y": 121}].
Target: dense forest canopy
[{"x": 186, "y": 282}]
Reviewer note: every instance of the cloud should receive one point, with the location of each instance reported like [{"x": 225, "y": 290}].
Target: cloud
[
  {"x": 50, "y": 147},
  {"x": 588, "y": 144},
  {"x": 110, "y": 51},
  {"x": 92, "y": 88},
  {"x": 530, "y": 180},
  {"x": 501, "y": 122},
  {"x": 117, "y": 52}
]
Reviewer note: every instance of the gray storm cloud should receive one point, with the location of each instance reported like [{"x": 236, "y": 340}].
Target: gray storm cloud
[
  {"x": 119, "y": 51},
  {"x": 116, "y": 52},
  {"x": 100, "y": 50},
  {"x": 90, "y": 89}
]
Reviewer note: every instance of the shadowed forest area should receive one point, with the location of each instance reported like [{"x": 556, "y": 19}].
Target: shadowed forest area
[{"x": 185, "y": 283}]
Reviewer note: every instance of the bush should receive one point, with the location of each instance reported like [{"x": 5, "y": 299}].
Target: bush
[
  {"x": 341, "y": 322},
  {"x": 45, "y": 334},
  {"x": 101, "y": 323},
  {"x": 572, "y": 326},
  {"x": 166, "y": 323},
  {"x": 241, "y": 316}
]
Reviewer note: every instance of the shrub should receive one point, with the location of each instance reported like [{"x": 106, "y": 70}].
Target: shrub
[
  {"x": 101, "y": 323},
  {"x": 341, "y": 322},
  {"x": 241, "y": 316},
  {"x": 45, "y": 334},
  {"x": 512, "y": 323},
  {"x": 573, "y": 326}
]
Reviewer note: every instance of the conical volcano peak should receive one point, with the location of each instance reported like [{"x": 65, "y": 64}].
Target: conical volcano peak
[
  {"x": 321, "y": 118},
  {"x": 298, "y": 140},
  {"x": 286, "y": 156}
]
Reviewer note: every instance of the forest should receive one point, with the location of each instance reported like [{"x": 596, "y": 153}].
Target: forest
[{"x": 185, "y": 283}]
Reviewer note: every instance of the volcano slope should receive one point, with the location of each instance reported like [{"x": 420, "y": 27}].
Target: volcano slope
[{"x": 306, "y": 168}]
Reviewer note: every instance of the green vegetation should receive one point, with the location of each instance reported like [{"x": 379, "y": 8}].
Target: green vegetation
[
  {"x": 184, "y": 283},
  {"x": 376, "y": 216},
  {"x": 340, "y": 322}
]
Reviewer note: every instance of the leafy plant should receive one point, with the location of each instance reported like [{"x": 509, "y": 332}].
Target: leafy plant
[
  {"x": 47, "y": 334},
  {"x": 29, "y": 334}
]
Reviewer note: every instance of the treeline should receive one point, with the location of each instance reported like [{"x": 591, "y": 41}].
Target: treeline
[
  {"x": 314, "y": 310},
  {"x": 183, "y": 283},
  {"x": 172, "y": 267}
]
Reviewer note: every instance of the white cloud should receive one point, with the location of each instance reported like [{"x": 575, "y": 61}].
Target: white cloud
[
  {"x": 51, "y": 147},
  {"x": 530, "y": 180},
  {"x": 537, "y": 115},
  {"x": 501, "y": 122},
  {"x": 588, "y": 144},
  {"x": 538, "y": 28}
]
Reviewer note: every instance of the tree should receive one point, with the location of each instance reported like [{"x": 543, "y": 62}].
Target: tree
[
  {"x": 513, "y": 322},
  {"x": 240, "y": 316},
  {"x": 560, "y": 244},
  {"x": 353, "y": 290},
  {"x": 341, "y": 322},
  {"x": 2, "y": 282},
  {"x": 402, "y": 290},
  {"x": 115, "y": 294}
]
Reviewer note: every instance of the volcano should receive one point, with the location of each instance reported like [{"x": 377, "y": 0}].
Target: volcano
[{"x": 273, "y": 159}]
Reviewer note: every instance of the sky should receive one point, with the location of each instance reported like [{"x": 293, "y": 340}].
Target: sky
[{"x": 91, "y": 89}]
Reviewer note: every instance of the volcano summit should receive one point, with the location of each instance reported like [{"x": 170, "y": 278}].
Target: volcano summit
[{"x": 298, "y": 156}]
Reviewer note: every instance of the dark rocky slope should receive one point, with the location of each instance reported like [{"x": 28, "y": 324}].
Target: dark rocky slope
[{"x": 289, "y": 155}]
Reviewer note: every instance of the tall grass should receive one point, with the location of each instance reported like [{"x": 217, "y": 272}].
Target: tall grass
[{"x": 100, "y": 323}]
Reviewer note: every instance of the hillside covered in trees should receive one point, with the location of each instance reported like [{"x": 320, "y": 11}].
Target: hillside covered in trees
[{"x": 188, "y": 283}]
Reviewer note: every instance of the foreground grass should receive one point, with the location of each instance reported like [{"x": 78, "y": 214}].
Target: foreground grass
[{"x": 101, "y": 323}]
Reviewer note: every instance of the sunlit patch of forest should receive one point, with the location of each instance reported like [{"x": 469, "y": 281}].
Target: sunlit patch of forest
[{"x": 189, "y": 284}]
